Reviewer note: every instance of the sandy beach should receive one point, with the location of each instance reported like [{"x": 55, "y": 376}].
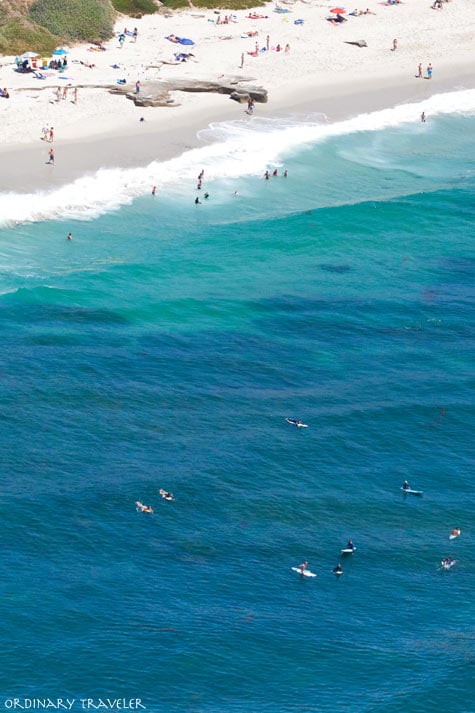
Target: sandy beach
[{"x": 321, "y": 72}]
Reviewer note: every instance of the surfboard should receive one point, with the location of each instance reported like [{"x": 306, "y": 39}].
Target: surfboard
[
  {"x": 348, "y": 551},
  {"x": 305, "y": 573},
  {"x": 299, "y": 425},
  {"x": 410, "y": 491},
  {"x": 337, "y": 574}
]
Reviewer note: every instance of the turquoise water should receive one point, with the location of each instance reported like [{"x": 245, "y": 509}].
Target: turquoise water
[{"x": 163, "y": 348}]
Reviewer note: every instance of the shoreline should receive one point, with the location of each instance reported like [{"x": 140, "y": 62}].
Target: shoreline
[
  {"x": 157, "y": 141},
  {"x": 340, "y": 82}
]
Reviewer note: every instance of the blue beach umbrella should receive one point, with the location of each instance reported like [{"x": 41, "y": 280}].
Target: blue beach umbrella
[{"x": 60, "y": 51}]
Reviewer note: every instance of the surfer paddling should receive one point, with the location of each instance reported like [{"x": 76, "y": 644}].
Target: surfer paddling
[
  {"x": 405, "y": 485},
  {"x": 140, "y": 507},
  {"x": 296, "y": 422},
  {"x": 338, "y": 569},
  {"x": 455, "y": 533},
  {"x": 303, "y": 567},
  {"x": 165, "y": 495}
]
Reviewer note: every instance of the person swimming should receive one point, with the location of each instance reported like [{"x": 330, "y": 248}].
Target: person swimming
[{"x": 140, "y": 507}]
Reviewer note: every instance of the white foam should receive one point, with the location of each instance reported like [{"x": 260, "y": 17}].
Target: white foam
[{"x": 231, "y": 150}]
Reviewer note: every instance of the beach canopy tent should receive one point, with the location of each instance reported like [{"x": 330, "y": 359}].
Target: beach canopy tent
[
  {"x": 28, "y": 55},
  {"x": 60, "y": 52}
]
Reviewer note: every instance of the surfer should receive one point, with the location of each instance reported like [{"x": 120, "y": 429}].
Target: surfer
[
  {"x": 447, "y": 562},
  {"x": 165, "y": 495},
  {"x": 142, "y": 508},
  {"x": 350, "y": 545},
  {"x": 455, "y": 532},
  {"x": 405, "y": 485},
  {"x": 303, "y": 567},
  {"x": 338, "y": 569}
]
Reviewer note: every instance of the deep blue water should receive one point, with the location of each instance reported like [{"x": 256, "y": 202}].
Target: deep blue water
[{"x": 163, "y": 348}]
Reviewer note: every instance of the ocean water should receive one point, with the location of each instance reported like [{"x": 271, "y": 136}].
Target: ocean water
[{"x": 164, "y": 346}]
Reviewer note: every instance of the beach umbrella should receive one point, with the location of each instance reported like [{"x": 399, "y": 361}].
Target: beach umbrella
[
  {"x": 60, "y": 51},
  {"x": 338, "y": 10},
  {"x": 29, "y": 55}
]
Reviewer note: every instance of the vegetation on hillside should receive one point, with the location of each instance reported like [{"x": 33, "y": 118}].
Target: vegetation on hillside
[
  {"x": 17, "y": 35},
  {"x": 75, "y": 19},
  {"x": 42, "y": 25},
  {"x": 135, "y": 8}
]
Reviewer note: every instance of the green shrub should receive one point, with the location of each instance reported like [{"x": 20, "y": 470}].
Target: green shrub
[
  {"x": 135, "y": 8},
  {"x": 75, "y": 19},
  {"x": 18, "y": 36}
]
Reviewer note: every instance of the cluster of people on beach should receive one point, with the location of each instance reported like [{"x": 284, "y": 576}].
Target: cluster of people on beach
[
  {"x": 429, "y": 71},
  {"x": 128, "y": 33}
]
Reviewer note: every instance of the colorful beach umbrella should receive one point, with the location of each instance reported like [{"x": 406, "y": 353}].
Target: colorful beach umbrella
[
  {"x": 338, "y": 10},
  {"x": 29, "y": 55},
  {"x": 60, "y": 51}
]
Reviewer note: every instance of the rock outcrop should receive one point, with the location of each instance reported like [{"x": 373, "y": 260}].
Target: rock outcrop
[{"x": 158, "y": 93}]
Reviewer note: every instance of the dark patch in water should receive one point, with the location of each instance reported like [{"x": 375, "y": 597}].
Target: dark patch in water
[{"x": 328, "y": 267}]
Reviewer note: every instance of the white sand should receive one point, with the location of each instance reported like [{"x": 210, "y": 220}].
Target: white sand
[{"x": 319, "y": 65}]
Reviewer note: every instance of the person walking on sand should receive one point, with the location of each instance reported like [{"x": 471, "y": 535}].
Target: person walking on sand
[
  {"x": 135, "y": 34},
  {"x": 419, "y": 71},
  {"x": 242, "y": 61},
  {"x": 267, "y": 42},
  {"x": 423, "y": 117},
  {"x": 429, "y": 71},
  {"x": 394, "y": 45},
  {"x": 58, "y": 94},
  {"x": 51, "y": 156},
  {"x": 137, "y": 87},
  {"x": 75, "y": 99},
  {"x": 154, "y": 190},
  {"x": 51, "y": 135}
]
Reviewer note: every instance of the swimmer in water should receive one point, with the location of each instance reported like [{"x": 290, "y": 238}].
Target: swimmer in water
[{"x": 142, "y": 508}]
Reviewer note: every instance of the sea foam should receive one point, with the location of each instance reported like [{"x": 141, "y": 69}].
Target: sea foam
[{"x": 231, "y": 150}]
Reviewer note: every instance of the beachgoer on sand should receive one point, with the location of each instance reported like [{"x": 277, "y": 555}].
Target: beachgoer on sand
[
  {"x": 51, "y": 135},
  {"x": 394, "y": 45},
  {"x": 137, "y": 87},
  {"x": 429, "y": 71},
  {"x": 419, "y": 70},
  {"x": 423, "y": 117},
  {"x": 242, "y": 61},
  {"x": 51, "y": 156}
]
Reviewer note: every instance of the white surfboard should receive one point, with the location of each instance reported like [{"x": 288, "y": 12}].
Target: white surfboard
[
  {"x": 294, "y": 423},
  {"x": 410, "y": 491},
  {"x": 305, "y": 573},
  {"x": 348, "y": 551},
  {"x": 337, "y": 574}
]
